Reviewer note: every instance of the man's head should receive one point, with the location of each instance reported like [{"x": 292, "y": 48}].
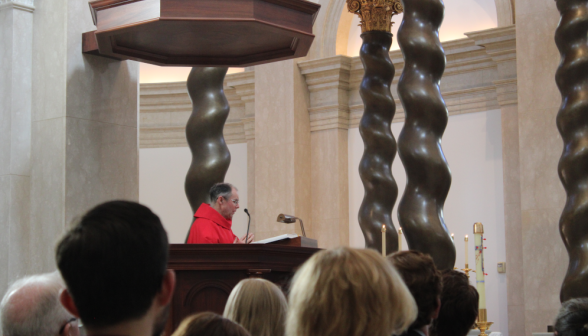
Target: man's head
[
  {"x": 224, "y": 198},
  {"x": 31, "y": 307},
  {"x": 572, "y": 319},
  {"x": 423, "y": 280},
  {"x": 114, "y": 263},
  {"x": 459, "y": 306}
]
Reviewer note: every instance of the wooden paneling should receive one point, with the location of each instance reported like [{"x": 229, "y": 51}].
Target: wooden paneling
[{"x": 206, "y": 274}]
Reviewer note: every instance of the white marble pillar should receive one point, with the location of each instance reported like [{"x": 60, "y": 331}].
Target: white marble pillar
[
  {"x": 500, "y": 45},
  {"x": 282, "y": 149},
  {"x": 328, "y": 83},
  {"x": 16, "y": 40},
  {"x": 505, "y": 12},
  {"x": 84, "y": 127},
  {"x": 545, "y": 259},
  {"x": 244, "y": 85}
]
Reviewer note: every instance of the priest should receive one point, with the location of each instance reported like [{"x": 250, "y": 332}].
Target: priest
[{"x": 212, "y": 223}]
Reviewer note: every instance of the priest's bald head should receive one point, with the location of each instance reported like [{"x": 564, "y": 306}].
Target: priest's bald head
[{"x": 114, "y": 263}]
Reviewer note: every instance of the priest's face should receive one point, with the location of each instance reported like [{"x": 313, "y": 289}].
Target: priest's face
[{"x": 230, "y": 205}]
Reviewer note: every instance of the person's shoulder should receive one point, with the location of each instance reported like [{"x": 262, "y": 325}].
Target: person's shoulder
[{"x": 203, "y": 221}]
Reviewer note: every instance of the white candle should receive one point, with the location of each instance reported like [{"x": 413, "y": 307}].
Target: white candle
[
  {"x": 400, "y": 239},
  {"x": 384, "y": 240},
  {"x": 480, "y": 282},
  {"x": 453, "y": 238},
  {"x": 466, "y": 250}
]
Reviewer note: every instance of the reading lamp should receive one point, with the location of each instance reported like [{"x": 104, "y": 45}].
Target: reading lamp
[{"x": 287, "y": 219}]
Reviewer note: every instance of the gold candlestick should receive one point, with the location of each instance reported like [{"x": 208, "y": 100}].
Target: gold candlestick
[
  {"x": 384, "y": 240},
  {"x": 467, "y": 270},
  {"x": 482, "y": 324}
]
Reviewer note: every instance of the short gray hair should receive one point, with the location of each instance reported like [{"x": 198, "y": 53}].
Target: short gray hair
[
  {"x": 221, "y": 189},
  {"x": 40, "y": 313}
]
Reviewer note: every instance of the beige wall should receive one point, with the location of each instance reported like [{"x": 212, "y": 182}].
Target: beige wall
[
  {"x": 74, "y": 122},
  {"x": 542, "y": 195}
]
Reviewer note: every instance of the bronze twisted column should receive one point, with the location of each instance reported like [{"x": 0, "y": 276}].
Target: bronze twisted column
[
  {"x": 572, "y": 123},
  {"x": 375, "y": 167},
  {"x": 204, "y": 132},
  {"x": 420, "y": 211}
]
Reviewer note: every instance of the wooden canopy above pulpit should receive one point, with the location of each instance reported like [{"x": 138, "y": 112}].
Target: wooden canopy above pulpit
[{"x": 201, "y": 33}]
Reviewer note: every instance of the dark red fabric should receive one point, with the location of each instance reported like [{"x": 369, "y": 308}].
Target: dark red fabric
[{"x": 210, "y": 227}]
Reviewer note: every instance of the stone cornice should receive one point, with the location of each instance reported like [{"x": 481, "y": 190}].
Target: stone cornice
[
  {"x": 506, "y": 91},
  {"x": 327, "y": 80},
  {"x": 329, "y": 117},
  {"x": 480, "y": 76},
  {"x": 24, "y": 5},
  {"x": 249, "y": 128},
  {"x": 166, "y": 107},
  {"x": 498, "y": 43}
]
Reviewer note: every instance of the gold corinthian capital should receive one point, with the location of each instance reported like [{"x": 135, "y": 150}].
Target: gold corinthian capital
[{"x": 375, "y": 15}]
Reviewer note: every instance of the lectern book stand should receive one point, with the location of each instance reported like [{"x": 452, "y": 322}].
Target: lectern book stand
[{"x": 206, "y": 274}]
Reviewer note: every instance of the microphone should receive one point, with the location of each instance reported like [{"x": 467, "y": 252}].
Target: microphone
[{"x": 248, "y": 223}]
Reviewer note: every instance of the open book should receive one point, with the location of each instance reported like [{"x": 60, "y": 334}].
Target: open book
[{"x": 275, "y": 239}]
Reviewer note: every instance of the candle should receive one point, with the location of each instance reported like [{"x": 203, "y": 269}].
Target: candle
[
  {"x": 400, "y": 239},
  {"x": 453, "y": 238},
  {"x": 466, "y": 251},
  {"x": 384, "y": 240},
  {"x": 480, "y": 282}
]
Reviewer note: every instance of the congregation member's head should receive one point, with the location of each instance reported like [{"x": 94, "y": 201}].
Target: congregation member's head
[
  {"x": 259, "y": 306},
  {"x": 209, "y": 324},
  {"x": 424, "y": 282},
  {"x": 572, "y": 319},
  {"x": 114, "y": 263},
  {"x": 224, "y": 198},
  {"x": 459, "y": 306},
  {"x": 348, "y": 292},
  {"x": 31, "y": 307}
]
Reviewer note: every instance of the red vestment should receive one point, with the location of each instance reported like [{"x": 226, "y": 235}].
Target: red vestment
[{"x": 210, "y": 227}]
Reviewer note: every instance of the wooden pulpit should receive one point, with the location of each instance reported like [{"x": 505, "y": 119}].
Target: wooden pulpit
[{"x": 206, "y": 274}]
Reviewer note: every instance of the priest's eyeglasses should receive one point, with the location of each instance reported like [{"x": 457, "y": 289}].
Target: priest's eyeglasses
[
  {"x": 62, "y": 329},
  {"x": 235, "y": 201}
]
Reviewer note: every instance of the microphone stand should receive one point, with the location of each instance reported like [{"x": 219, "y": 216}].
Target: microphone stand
[{"x": 248, "y": 223}]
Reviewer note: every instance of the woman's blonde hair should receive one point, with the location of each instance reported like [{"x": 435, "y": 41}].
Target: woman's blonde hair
[
  {"x": 349, "y": 292},
  {"x": 209, "y": 324},
  {"x": 259, "y": 306}
]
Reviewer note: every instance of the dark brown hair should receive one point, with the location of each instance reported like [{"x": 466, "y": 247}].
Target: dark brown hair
[
  {"x": 572, "y": 319},
  {"x": 113, "y": 262},
  {"x": 459, "y": 306},
  {"x": 422, "y": 279},
  {"x": 209, "y": 324}
]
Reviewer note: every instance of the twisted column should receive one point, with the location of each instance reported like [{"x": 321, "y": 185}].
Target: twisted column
[
  {"x": 572, "y": 123},
  {"x": 420, "y": 211},
  {"x": 375, "y": 167},
  {"x": 204, "y": 132}
]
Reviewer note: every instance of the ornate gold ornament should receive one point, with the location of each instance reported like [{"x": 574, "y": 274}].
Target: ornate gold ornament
[{"x": 375, "y": 15}]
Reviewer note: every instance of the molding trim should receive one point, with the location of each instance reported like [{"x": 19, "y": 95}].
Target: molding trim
[
  {"x": 24, "y": 5},
  {"x": 480, "y": 76},
  {"x": 166, "y": 107}
]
